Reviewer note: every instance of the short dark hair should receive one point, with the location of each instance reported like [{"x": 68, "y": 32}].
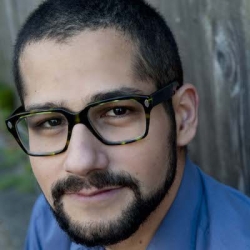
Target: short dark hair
[{"x": 157, "y": 58}]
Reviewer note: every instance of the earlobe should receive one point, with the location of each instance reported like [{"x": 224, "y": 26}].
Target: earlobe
[{"x": 185, "y": 104}]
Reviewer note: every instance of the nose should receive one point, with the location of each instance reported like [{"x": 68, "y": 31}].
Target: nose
[{"x": 85, "y": 153}]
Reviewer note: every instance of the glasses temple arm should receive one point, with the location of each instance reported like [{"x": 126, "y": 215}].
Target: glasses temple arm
[{"x": 165, "y": 93}]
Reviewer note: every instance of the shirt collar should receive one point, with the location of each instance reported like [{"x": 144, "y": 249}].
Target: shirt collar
[
  {"x": 75, "y": 246},
  {"x": 178, "y": 228}
]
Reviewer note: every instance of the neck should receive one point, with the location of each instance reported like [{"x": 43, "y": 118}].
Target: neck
[{"x": 142, "y": 237}]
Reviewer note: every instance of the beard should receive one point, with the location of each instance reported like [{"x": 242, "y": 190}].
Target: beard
[{"x": 131, "y": 217}]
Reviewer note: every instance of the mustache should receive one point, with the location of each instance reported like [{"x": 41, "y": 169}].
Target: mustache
[{"x": 99, "y": 180}]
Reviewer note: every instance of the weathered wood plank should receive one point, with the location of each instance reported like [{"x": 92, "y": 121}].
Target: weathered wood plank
[
  {"x": 214, "y": 41},
  {"x": 12, "y": 15},
  {"x": 245, "y": 101}
]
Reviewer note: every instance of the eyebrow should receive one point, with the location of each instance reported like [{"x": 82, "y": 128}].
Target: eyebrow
[
  {"x": 125, "y": 91},
  {"x": 46, "y": 105},
  {"x": 115, "y": 93}
]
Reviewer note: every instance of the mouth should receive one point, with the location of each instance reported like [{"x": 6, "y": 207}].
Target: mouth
[{"x": 95, "y": 194}]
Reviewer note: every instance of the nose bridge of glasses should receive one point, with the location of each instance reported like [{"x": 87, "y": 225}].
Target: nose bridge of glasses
[
  {"x": 79, "y": 118},
  {"x": 82, "y": 117},
  {"x": 76, "y": 118}
]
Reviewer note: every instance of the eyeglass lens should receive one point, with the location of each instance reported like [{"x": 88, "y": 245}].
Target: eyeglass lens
[{"x": 115, "y": 121}]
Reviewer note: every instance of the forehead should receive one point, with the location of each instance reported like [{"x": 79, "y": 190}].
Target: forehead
[{"x": 73, "y": 71}]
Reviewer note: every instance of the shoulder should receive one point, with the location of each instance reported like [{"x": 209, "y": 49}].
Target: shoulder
[
  {"x": 44, "y": 232},
  {"x": 228, "y": 215},
  {"x": 40, "y": 206},
  {"x": 42, "y": 215},
  {"x": 224, "y": 198}
]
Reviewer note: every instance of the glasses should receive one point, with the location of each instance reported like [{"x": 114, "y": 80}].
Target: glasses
[{"x": 115, "y": 121}]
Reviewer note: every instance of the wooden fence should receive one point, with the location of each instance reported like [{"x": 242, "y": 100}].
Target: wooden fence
[
  {"x": 12, "y": 15},
  {"x": 214, "y": 40}
]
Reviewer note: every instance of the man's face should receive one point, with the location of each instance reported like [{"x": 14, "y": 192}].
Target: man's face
[{"x": 100, "y": 194}]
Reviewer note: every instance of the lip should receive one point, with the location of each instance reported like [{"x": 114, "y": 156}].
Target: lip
[{"x": 95, "y": 194}]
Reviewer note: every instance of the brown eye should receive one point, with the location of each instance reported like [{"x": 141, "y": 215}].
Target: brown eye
[
  {"x": 119, "y": 111},
  {"x": 53, "y": 123}
]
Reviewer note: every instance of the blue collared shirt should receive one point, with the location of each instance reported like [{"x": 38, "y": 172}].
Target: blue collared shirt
[{"x": 205, "y": 215}]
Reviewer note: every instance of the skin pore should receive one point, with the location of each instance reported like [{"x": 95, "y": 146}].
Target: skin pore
[{"x": 68, "y": 75}]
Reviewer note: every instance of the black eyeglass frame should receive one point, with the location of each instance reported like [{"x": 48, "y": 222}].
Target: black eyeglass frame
[{"x": 147, "y": 101}]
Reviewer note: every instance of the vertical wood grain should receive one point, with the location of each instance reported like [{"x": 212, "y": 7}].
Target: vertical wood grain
[
  {"x": 12, "y": 15},
  {"x": 214, "y": 42}
]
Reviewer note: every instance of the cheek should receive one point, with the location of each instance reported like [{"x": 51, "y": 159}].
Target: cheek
[
  {"x": 148, "y": 165},
  {"x": 147, "y": 160},
  {"x": 45, "y": 173},
  {"x": 153, "y": 168}
]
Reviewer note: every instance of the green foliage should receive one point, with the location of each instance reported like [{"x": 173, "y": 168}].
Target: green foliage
[
  {"x": 15, "y": 170},
  {"x": 7, "y": 100},
  {"x": 9, "y": 158},
  {"x": 7, "y": 97},
  {"x": 22, "y": 182}
]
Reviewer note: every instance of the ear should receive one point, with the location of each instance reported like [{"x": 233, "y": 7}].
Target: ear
[{"x": 185, "y": 104}]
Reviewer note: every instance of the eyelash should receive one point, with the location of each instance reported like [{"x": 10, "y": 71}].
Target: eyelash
[{"x": 117, "y": 115}]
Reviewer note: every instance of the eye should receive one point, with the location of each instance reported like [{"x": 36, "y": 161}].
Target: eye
[
  {"x": 41, "y": 122},
  {"x": 52, "y": 123},
  {"x": 117, "y": 111}
]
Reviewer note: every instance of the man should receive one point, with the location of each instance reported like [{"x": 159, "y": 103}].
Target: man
[{"x": 106, "y": 119}]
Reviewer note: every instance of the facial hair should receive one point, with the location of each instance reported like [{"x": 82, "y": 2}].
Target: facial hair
[{"x": 131, "y": 217}]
